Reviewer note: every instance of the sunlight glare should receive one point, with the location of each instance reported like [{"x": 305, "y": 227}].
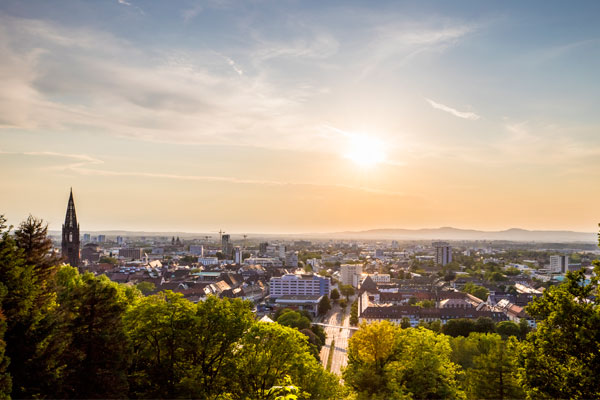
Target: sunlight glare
[{"x": 365, "y": 150}]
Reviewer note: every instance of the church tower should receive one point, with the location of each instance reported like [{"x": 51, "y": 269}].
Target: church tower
[{"x": 70, "y": 235}]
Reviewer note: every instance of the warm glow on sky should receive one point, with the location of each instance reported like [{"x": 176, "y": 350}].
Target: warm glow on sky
[{"x": 301, "y": 116}]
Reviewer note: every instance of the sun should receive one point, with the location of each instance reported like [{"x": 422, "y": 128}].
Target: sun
[{"x": 365, "y": 151}]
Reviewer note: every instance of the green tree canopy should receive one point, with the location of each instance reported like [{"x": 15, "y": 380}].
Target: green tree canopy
[{"x": 561, "y": 358}]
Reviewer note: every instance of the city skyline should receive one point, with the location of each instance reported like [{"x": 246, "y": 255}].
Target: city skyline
[{"x": 284, "y": 117}]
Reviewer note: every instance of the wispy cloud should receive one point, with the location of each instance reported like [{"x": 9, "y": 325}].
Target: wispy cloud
[
  {"x": 460, "y": 114},
  {"x": 125, "y": 3}
]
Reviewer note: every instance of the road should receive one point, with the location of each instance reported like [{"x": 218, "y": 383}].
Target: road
[{"x": 341, "y": 336}]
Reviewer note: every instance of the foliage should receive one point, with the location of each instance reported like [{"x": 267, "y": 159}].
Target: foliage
[
  {"x": 354, "y": 313},
  {"x": 476, "y": 290},
  {"x": 347, "y": 290},
  {"x": 507, "y": 329},
  {"x": 324, "y": 305},
  {"x": 268, "y": 353},
  {"x": 94, "y": 363},
  {"x": 489, "y": 363},
  {"x": 561, "y": 358},
  {"x": 146, "y": 287},
  {"x": 385, "y": 361},
  {"x": 335, "y": 295},
  {"x": 108, "y": 260},
  {"x": 294, "y": 319}
]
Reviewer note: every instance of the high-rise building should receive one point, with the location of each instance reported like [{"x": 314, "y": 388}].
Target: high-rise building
[
  {"x": 559, "y": 264},
  {"x": 282, "y": 251},
  {"x": 226, "y": 248},
  {"x": 237, "y": 255},
  {"x": 120, "y": 240},
  {"x": 262, "y": 248},
  {"x": 101, "y": 238},
  {"x": 70, "y": 235},
  {"x": 350, "y": 274},
  {"x": 443, "y": 253},
  {"x": 87, "y": 238}
]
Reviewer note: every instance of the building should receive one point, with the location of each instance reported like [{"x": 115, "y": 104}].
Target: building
[
  {"x": 226, "y": 248},
  {"x": 262, "y": 248},
  {"x": 350, "y": 274},
  {"x": 559, "y": 264},
  {"x": 237, "y": 255},
  {"x": 70, "y": 235},
  {"x": 131, "y": 253},
  {"x": 197, "y": 250},
  {"x": 300, "y": 302},
  {"x": 101, "y": 238},
  {"x": 443, "y": 253},
  {"x": 91, "y": 252},
  {"x": 87, "y": 238},
  {"x": 378, "y": 253},
  {"x": 120, "y": 240},
  {"x": 208, "y": 261},
  {"x": 291, "y": 259},
  {"x": 299, "y": 285},
  {"x": 265, "y": 262},
  {"x": 380, "y": 278},
  {"x": 282, "y": 251}
]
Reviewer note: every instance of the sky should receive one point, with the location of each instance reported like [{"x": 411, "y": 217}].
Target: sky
[{"x": 301, "y": 116}]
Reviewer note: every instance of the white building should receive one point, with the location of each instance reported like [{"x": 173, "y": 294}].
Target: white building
[
  {"x": 559, "y": 264},
  {"x": 379, "y": 278},
  {"x": 264, "y": 262},
  {"x": 443, "y": 253},
  {"x": 237, "y": 255},
  {"x": 208, "y": 260},
  {"x": 299, "y": 285},
  {"x": 350, "y": 274}
]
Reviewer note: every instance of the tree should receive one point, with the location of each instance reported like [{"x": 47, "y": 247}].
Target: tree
[
  {"x": 324, "y": 305},
  {"x": 5, "y": 379},
  {"x": 271, "y": 355},
  {"x": 561, "y": 358},
  {"x": 459, "y": 327},
  {"x": 146, "y": 287},
  {"x": 492, "y": 374},
  {"x": 347, "y": 290},
  {"x": 94, "y": 363},
  {"x": 28, "y": 304},
  {"x": 507, "y": 329},
  {"x": 182, "y": 349},
  {"x": 343, "y": 304},
  {"x": 485, "y": 325},
  {"x": 385, "y": 361},
  {"x": 294, "y": 319},
  {"x": 476, "y": 290},
  {"x": 335, "y": 295},
  {"x": 108, "y": 260},
  {"x": 354, "y": 313},
  {"x": 159, "y": 328}
]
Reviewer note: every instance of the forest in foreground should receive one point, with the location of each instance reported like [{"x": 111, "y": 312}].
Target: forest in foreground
[{"x": 69, "y": 335}]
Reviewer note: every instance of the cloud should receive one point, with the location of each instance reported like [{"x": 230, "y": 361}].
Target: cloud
[
  {"x": 123, "y": 2},
  {"x": 460, "y": 114}
]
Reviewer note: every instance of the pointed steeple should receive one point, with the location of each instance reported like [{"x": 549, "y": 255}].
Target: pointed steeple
[
  {"x": 70, "y": 234},
  {"x": 71, "y": 217}
]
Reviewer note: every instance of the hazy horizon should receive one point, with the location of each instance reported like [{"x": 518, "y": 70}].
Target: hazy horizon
[{"x": 290, "y": 117}]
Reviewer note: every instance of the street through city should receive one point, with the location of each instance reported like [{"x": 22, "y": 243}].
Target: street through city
[{"x": 341, "y": 336}]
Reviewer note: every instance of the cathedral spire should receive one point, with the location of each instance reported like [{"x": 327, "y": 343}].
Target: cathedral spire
[{"x": 70, "y": 234}]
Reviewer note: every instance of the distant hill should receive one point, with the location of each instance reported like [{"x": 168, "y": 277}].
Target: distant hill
[
  {"x": 448, "y": 233},
  {"x": 445, "y": 233}
]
